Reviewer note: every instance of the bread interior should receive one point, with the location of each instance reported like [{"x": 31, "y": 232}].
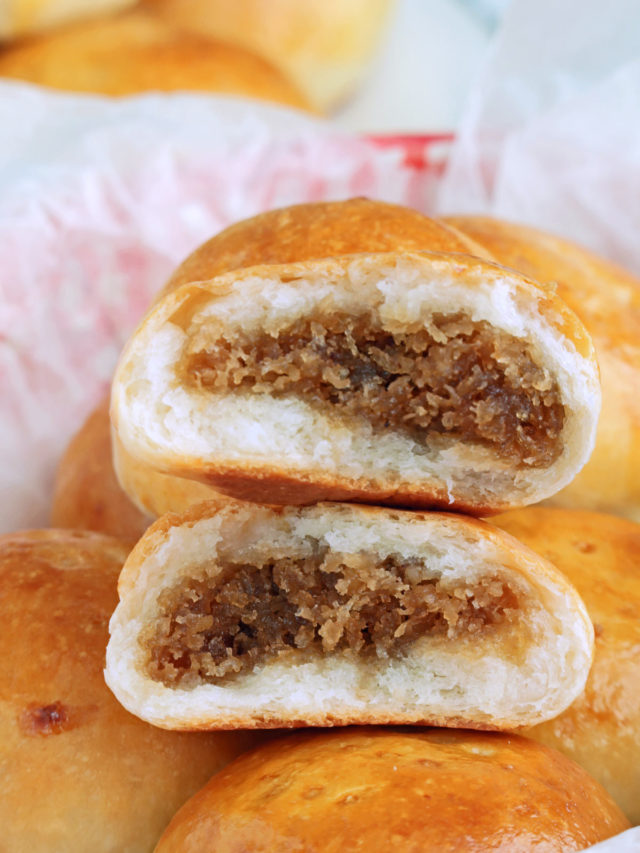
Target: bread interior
[
  {"x": 457, "y": 378},
  {"x": 228, "y": 616}
]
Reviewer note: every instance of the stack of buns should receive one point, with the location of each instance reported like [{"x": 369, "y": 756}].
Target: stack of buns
[{"x": 319, "y": 405}]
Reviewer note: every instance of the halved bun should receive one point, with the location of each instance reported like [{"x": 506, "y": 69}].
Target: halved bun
[
  {"x": 302, "y": 232},
  {"x": 411, "y": 379},
  {"x": 322, "y": 45},
  {"x": 600, "y": 555},
  {"x": 250, "y": 616},
  {"x": 410, "y": 792},
  {"x": 607, "y": 300}
]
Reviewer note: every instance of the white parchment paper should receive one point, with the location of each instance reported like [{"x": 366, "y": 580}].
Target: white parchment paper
[
  {"x": 551, "y": 132},
  {"x": 99, "y": 201}
]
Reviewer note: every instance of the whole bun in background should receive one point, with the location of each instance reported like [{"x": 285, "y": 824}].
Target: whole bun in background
[
  {"x": 136, "y": 51},
  {"x": 18, "y": 17},
  {"x": 600, "y": 555},
  {"x": 607, "y": 300},
  {"x": 381, "y": 790},
  {"x": 324, "y": 46},
  {"x": 87, "y": 495},
  {"x": 78, "y": 772}
]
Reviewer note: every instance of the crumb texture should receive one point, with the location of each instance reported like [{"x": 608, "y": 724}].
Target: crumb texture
[
  {"x": 210, "y": 629},
  {"x": 459, "y": 378}
]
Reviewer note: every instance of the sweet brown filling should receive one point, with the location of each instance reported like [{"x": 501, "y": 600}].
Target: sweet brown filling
[
  {"x": 325, "y": 603},
  {"x": 460, "y": 378}
]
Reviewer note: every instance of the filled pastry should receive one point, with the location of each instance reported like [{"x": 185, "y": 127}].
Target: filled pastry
[
  {"x": 406, "y": 378},
  {"x": 600, "y": 555},
  {"x": 406, "y": 791},
  {"x": 249, "y": 616},
  {"x": 299, "y": 233},
  {"x": 78, "y": 772},
  {"x": 607, "y": 300}
]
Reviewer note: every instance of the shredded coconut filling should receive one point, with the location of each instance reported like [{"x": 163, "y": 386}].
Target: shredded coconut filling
[
  {"x": 459, "y": 378},
  {"x": 210, "y": 629}
]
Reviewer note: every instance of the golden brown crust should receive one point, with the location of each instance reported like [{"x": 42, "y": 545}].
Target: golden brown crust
[
  {"x": 409, "y": 791},
  {"x": 600, "y": 555},
  {"x": 136, "y": 51},
  {"x": 304, "y": 232},
  {"x": 79, "y": 772},
  {"x": 323, "y": 45},
  {"x": 87, "y": 495},
  {"x": 607, "y": 300}
]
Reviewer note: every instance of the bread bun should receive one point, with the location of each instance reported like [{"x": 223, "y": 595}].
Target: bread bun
[
  {"x": 409, "y": 379},
  {"x": 322, "y": 45},
  {"x": 137, "y": 52},
  {"x": 411, "y": 792},
  {"x": 249, "y": 616},
  {"x": 87, "y": 495},
  {"x": 600, "y": 555},
  {"x": 78, "y": 772},
  {"x": 19, "y": 17},
  {"x": 607, "y": 300},
  {"x": 300, "y": 233}
]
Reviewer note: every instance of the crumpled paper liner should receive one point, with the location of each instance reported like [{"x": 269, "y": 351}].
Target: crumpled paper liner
[
  {"x": 99, "y": 201},
  {"x": 551, "y": 133}
]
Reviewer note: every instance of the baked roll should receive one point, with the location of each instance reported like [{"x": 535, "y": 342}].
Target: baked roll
[
  {"x": 78, "y": 772},
  {"x": 249, "y": 616},
  {"x": 18, "y": 17},
  {"x": 87, "y": 495},
  {"x": 406, "y": 791},
  {"x": 410, "y": 379},
  {"x": 324, "y": 46},
  {"x": 136, "y": 51},
  {"x": 607, "y": 300},
  {"x": 600, "y": 555},
  {"x": 302, "y": 232}
]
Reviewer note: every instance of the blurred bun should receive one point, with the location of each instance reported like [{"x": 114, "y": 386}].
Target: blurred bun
[
  {"x": 137, "y": 52},
  {"x": 87, "y": 494},
  {"x": 382, "y": 790},
  {"x": 607, "y": 300},
  {"x": 323, "y": 45},
  {"x": 600, "y": 555},
  {"x": 19, "y": 17},
  {"x": 78, "y": 772}
]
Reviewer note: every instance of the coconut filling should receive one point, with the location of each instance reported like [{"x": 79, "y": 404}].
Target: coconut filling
[
  {"x": 459, "y": 378},
  {"x": 228, "y": 618}
]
